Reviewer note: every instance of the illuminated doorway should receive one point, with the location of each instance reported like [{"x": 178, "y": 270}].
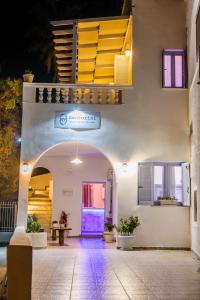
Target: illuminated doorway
[{"x": 93, "y": 208}]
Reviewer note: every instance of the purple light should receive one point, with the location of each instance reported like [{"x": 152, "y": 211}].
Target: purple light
[
  {"x": 178, "y": 71},
  {"x": 92, "y": 221},
  {"x": 174, "y": 68},
  {"x": 167, "y": 71},
  {"x": 93, "y": 209}
]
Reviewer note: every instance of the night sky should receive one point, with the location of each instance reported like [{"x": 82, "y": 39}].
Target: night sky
[{"x": 25, "y": 26}]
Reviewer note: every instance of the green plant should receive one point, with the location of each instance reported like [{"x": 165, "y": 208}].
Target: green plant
[
  {"x": 63, "y": 218},
  {"x": 32, "y": 224},
  {"x": 167, "y": 198},
  {"x": 108, "y": 226},
  {"x": 28, "y": 71},
  {"x": 10, "y": 124},
  {"x": 127, "y": 225}
]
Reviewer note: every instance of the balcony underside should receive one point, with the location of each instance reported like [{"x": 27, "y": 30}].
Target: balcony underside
[{"x": 94, "y": 51}]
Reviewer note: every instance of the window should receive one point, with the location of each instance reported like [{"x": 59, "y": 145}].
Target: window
[
  {"x": 174, "y": 74},
  {"x": 198, "y": 34},
  {"x": 164, "y": 184},
  {"x": 195, "y": 205}
]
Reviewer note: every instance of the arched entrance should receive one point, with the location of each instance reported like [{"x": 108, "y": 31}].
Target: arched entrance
[
  {"x": 40, "y": 196},
  {"x": 87, "y": 211}
]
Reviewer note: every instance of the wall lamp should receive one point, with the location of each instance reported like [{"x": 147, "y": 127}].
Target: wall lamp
[
  {"x": 25, "y": 167},
  {"x": 127, "y": 169}
]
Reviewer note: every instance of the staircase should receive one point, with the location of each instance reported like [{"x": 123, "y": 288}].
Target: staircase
[{"x": 40, "y": 205}]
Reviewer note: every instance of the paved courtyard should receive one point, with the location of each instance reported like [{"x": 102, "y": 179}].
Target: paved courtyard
[
  {"x": 2, "y": 262},
  {"x": 89, "y": 269}
]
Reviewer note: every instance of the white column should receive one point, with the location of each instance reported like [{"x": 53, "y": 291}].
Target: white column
[
  {"x": 41, "y": 94},
  {"x": 57, "y": 95},
  {"x": 49, "y": 95}
]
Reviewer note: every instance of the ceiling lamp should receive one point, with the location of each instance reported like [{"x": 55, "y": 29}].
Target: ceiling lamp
[{"x": 76, "y": 160}]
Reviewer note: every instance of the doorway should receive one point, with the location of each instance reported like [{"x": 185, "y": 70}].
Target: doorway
[
  {"x": 93, "y": 208},
  {"x": 40, "y": 196}
]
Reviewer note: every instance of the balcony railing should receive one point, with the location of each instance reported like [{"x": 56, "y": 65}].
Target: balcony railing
[
  {"x": 77, "y": 94},
  {"x": 8, "y": 215}
]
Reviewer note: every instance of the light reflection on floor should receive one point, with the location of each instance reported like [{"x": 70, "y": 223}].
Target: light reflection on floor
[{"x": 90, "y": 269}]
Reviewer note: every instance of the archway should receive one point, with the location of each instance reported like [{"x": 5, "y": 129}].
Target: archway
[
  {"x": 40, "y": 196},
  {"x": 68, "y": 184}
]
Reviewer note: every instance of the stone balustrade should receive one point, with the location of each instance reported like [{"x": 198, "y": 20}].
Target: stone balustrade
[{"x": 76, "y": 93}]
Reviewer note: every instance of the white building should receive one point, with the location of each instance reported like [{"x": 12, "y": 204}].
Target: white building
[{"x": 130, "y": 98}]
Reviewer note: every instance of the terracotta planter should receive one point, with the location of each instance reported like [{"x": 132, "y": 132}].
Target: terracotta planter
[
  {"x": 108, "y": 236},
  {"x": 28, "y": 78}
]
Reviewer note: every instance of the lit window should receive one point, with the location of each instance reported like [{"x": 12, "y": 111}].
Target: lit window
[
  {"x": 174, "y": 74},
  {"x": 164, "y": 184},
  {"x": 198, "y": 34},
  {"x": 158, "y": 182},
  {"x": 178, "y": 189}
]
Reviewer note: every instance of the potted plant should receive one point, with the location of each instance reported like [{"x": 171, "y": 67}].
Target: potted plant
[
  {"x": 37, "y": 235},
  {"x": 125, "y": 231},
  {"x": 28, "y": 76},
  {"x": 63, "y": 219},
  {"x": 108, "y": 232}
]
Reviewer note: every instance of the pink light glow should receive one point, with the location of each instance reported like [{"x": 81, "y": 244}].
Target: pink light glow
[
  {"x": 93, "y": 203},
  {"x": 94, "y": 195},
  {"x": 167, "y": 71},
  {"x": 178, "y": 71}
]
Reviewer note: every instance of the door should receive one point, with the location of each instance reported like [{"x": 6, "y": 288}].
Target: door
[{"x": 93, "y": 208}]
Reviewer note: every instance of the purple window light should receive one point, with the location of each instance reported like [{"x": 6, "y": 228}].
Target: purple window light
[
  {"x": 167, "y": 71},
  {"x": 174, "y": 68},
  {"x": 178, "y": 71}
]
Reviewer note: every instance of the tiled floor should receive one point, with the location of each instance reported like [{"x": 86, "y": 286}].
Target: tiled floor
[
  {"x": 89, "y": 269},
  {"x": 2, "y": 262}
]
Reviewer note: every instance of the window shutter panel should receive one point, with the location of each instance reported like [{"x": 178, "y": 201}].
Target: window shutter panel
[
  {"x": 145, "y": 184},
  {"x": 167, "y": 70},
  {"x": 198, "y": 34},
  {"x": 170, "y": 181},
  {"x": 186, "y": 183}
]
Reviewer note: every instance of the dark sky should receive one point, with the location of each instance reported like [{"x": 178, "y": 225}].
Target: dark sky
[{"x": 25, "y": 25}]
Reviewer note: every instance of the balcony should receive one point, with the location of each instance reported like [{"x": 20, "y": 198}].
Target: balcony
[
  {"x": 93, "y": 62},
  {"x": 94, "y": 51},
  {"x": 73, "y": 93}
]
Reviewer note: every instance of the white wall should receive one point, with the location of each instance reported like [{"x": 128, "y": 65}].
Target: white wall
[
  {"x": 68, "y": 178},
  {"x": 194, "y": 118},
  {"x": 152, "y": 125}
]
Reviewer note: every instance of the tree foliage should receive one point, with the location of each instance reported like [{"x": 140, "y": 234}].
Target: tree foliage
[{"x": 10, "y": 124}]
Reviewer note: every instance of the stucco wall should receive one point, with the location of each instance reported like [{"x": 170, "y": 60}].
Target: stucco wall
[
  {"x": 152, "y": 125},
  {"x": 194, "y": 114}
]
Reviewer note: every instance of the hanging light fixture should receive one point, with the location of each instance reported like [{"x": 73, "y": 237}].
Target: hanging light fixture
[{"x": 76, "y": 160}]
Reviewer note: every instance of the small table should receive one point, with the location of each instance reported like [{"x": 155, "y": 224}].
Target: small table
[{"x": 61, "y": 232}]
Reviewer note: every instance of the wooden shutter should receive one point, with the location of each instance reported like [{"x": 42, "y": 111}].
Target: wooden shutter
[
  {"x": 186, "y": 184},
  {"x": 145, "y": 184},
  {"x": 169, "y": 180}
]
